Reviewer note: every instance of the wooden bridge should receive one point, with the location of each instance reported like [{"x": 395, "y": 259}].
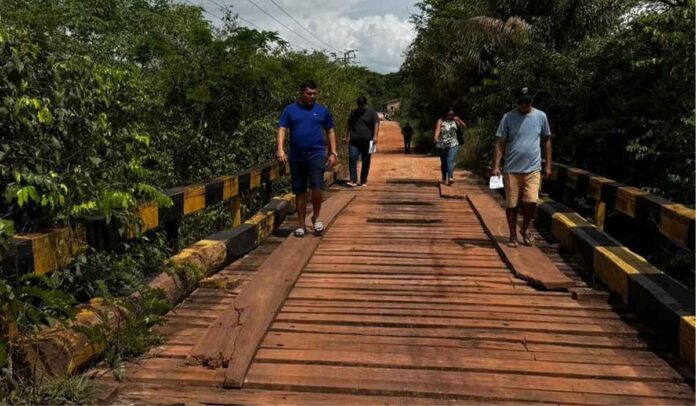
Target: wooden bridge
[{"x": 407, "y": 299}]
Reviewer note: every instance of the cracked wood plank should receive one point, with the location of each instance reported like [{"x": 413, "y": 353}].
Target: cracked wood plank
[
  {"x": 528, "y": 263},
  {"x": 232, "y": 339}
]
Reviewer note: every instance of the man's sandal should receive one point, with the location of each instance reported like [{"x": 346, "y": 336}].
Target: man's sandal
[
  {"x": 512, "y": 243},
  {"x": 528, "y": 238},
  {"x": 318, "y": 226},
  {"x": 300, "y": 232}
]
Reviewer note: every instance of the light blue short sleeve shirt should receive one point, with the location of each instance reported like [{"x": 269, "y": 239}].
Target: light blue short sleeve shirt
[{"x": 522, "y": 133}]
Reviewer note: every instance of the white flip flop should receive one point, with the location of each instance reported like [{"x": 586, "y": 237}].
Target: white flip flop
[{"x": 318, "y": 226}]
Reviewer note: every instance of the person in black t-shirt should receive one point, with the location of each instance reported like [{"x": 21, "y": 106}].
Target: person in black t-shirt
[
  {"x": 363, "y": 127},
  {"x": 407, "y": 132}
]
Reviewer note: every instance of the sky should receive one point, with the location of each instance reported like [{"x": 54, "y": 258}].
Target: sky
[{"x": 378, "y": 29}]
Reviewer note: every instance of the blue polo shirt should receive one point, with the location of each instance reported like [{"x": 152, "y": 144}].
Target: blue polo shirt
[{"x": 306, "y": 125}]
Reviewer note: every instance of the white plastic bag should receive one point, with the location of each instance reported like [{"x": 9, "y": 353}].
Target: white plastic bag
[{"x": 496, "y": 182}]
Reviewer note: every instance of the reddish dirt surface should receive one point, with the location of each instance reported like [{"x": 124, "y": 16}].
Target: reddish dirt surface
[{"x": 391, "y": 162}]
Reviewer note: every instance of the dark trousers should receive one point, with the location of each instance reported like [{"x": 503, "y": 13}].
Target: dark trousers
[
  {"x": 355, "y": 151},
  {"x": 407, "y": 144}
]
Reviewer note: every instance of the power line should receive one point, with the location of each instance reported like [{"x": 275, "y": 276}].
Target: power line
[
  {"x": 217, "y": 4},
  {"x": 204, "y": 10},
  {"x": 302, "y": 26},
  {"x": 281, "y": 23},
  {"x": 238, "y": 16},
  {"x": 250, "y": 23}
]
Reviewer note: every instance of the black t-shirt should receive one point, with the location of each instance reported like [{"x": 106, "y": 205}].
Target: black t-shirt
[
  {"x": 407, "y": 131},
  {"x": 362, "y": 124}
]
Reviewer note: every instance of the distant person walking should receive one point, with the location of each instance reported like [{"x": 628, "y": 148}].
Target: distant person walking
[
  {"x": 407, "y": 132},
  {"x": 446, "y": 143},
  {"x": 363, "y": 127},
  {"x": 307, "y": 121},
  {"x": 521, "y": 134}
]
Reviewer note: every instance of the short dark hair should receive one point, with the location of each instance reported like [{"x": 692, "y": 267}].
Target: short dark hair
[
  {"x": 361, "y": 100},
  {"x": 308, "y": 84}
]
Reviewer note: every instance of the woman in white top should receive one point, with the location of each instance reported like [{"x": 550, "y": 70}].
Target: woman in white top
[{"x": 446, "y": 142}]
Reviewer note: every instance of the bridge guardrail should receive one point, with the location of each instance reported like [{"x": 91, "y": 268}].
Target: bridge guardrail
[
  {"x": 62, "y": 350},
  {"x": 660, "y": 301},
  {"x": 45, "y": 251},
  {"x": 675, "y": 221}
]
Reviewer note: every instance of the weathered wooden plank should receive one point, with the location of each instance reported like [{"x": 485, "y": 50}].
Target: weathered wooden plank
[
  {"x": 459, "y": 298},
  {"x": 454, "y": 191},
  {"x": 233, "y": 338},
  {"x": 429, "y": 262},
  {"x": 467, "y": 313},
  {"x": 529, "y": 263},
  {"x": 445, "y": 322},
  {"x": 511, "y": 310},
  {"x": 299, "y": 339},
  {"x": 441, "y": 361},
  {"x": 509, "y": 387},
  {"x": 405, "y": 270},
  {"x": 408, "y": 289},
  {"x": 472, "y": 348},
  {"x": 177, "y": 394},
  {"x": 582, "y": 341}
]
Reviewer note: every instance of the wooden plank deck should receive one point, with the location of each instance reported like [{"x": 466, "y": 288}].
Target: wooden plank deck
[{"x": 407, "y": 301}]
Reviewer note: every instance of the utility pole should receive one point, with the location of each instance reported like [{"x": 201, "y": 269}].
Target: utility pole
[{"x": 348, "y": 56}]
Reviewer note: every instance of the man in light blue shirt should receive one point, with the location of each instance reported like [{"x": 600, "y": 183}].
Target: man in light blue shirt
[{"x": 520, "y": 137}]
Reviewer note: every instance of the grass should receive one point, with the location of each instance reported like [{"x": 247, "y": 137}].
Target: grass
[{"x": 71, "y": 390}]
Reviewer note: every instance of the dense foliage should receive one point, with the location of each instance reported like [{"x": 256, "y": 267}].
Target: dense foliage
[
  {"x": 109, "y": 103},
  {"x": 615, "y": 77},
  {"x": 104, "y": 104}
]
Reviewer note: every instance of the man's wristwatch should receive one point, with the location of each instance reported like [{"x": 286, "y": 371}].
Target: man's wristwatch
[{"x": 334, "y": 154}]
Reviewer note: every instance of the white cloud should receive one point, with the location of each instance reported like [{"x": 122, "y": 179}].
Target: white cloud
[
  {"x": 379, "y": 30},
  {"x": 379, "y": 39}
]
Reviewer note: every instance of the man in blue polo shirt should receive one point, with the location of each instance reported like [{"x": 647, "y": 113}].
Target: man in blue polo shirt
[{"x": 307, "y": 121}]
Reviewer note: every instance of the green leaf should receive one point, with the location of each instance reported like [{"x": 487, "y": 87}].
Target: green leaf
[
  {"x": 44, "y": 115},
  {"x": 33, "y": 194},
  {"x": 95, "y": 160},
  {"x": 7, "y": 227},
  {"x": 143, "y": 139},
  {"x": 103, "y": 121},
  {"x": 21, "y": 197}
]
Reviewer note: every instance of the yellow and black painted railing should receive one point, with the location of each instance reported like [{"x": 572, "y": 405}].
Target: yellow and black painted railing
[
  {"x": 675, "y": 221},
  {"x": 43, "y": 252},
  {"x": 62, "y": 350},
  {"x": 658, "y": 300}
]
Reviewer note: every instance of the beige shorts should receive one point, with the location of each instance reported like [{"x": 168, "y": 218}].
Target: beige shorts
[{"x": 525, "y": 184}]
